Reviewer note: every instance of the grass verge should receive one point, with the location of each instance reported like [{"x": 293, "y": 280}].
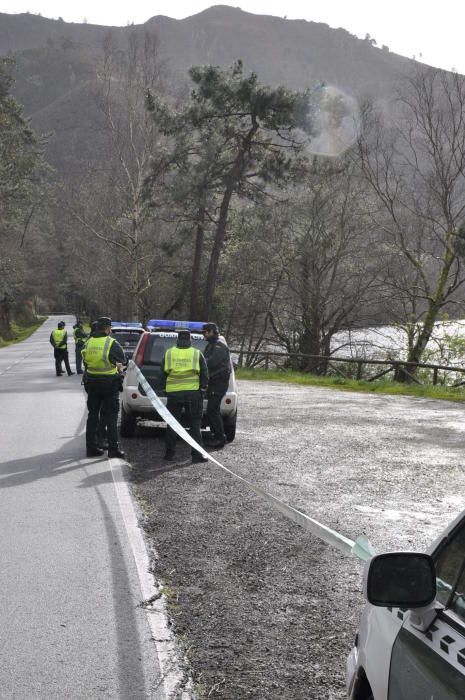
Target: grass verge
[
  {"x": 377, "y": 387},
  {"x": 21, "y": 332}
]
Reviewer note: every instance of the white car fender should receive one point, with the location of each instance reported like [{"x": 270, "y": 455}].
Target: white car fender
[{"x": 379, "y": 628}]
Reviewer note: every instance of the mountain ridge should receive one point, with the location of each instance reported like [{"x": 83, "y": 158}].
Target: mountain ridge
[{"x": 56, "y": 63}]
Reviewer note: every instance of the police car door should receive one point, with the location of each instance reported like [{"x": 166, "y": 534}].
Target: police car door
[{"x": 431, "y": 665}]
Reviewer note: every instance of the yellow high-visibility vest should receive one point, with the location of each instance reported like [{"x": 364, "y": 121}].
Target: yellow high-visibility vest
[
  {"x": 79, "y": 340},
  {"x": 182, "y": 365},
  {"x": 58, "y": 336},
  {"x": 96, "y": 355}
]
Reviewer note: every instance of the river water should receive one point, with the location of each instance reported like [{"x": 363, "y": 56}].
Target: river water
[{"x": 447, "y": 345}]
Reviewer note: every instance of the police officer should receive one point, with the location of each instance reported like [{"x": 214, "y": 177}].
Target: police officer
[
  {"x": 101, "y": 435},
  {"x": 103, "y": 357},
  {"x": 80, "y": 337},
  {"x": 219, "y": 368},
  {"x": 59, "y": 342},
  {"x": 185, "y": 375}
]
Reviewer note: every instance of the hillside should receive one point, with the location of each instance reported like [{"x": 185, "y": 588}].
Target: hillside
[{"x": 56, "y": 64}]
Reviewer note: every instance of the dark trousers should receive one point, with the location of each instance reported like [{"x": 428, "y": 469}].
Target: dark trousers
[
  {"x": 103, "y": 402},
  {"x": 61, "y": 356},
  {"x": 217, "y": 388},
  {"x": 101, "y": 436},
  {"x": 193, "y": 409},
  {"x": 78, "y": 359}
]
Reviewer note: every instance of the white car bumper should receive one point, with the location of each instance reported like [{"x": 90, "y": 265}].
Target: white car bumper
[
  {"x": 135, "y": 402},
  {"x": 351, "y": 670}
]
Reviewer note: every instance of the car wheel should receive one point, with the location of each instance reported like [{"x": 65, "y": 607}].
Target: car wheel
[
  {"x": 128, "y": 424},
  {"x": 230, "y": 427}
]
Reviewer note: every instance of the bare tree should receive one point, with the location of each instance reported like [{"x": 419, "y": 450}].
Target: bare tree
[
  {"x": 416, "y": 169},
  {"x": 330, "y": 273},
  {"x": 301, "y": 268},
  {"x": 110, "y": 206}
]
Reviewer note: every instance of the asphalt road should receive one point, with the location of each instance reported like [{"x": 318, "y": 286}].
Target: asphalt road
[{"x": 70, "y": 625}]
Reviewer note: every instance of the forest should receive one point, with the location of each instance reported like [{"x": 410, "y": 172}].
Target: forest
[{"x": 214, "y": 200}]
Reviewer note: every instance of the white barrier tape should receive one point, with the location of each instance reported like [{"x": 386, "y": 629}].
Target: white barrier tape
[{"x": 361, "y": 548}]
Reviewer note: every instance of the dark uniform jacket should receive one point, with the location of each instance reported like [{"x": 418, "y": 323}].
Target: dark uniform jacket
[
  {"x": 218, "y": 360},
  {"x": 80, "y": 336}
]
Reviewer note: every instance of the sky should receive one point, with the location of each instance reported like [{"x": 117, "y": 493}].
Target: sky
[{"x": 432, "y": 32}]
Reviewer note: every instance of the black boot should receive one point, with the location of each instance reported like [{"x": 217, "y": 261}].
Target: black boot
[
  {"x": 197, "y": 458},
  {"x": 116, "y": 453},
  {"x": 216, "y": 444},
  {"x": 94, "y": 452}
]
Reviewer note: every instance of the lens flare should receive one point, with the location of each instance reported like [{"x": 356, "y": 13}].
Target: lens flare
[{"x": 334, "y": 122}]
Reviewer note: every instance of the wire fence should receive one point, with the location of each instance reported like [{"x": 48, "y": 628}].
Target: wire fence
[{"x": 353, "y": 368}]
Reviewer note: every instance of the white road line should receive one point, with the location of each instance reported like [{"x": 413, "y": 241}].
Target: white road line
[
  {"x": 17, "y": 362},
  {"x": 167, "y": 650}
]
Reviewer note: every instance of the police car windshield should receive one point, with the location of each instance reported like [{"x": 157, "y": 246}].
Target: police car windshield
[
  {"x": 160, "y": 343},
  {"x": 131, "y": 337}
]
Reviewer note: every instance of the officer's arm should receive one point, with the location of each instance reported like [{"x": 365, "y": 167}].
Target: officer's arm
[
  {"x": 203, "y": 378},
  {"x": 224, "y": 354},
  {"x": 52, "y": 340},
  {"x": 116, "y": 353},
  {"x": 164, "y": 373},
  {"x": 219, "y": 359}
]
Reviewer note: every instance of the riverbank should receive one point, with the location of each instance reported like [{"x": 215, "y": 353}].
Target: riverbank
[{"x": 427, "y": 391}]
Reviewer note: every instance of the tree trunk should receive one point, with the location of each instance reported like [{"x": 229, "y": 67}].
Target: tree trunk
[
  {"x": 235, "y": 175},
  {"x": 310, "y": 345},
  {"x": 195, "y": 312},
  {"x": 218, "y": 243},
  {"x": 435, "y": 304},
  {"x": 135, "y": 293},
  {"x": 6, "y": 332},
  {"x": 25, "y": 313}
]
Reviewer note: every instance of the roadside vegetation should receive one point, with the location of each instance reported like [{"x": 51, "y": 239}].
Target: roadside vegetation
[
  {"x": 21, "y": 332},
  {"x": 376, "y": 387}
]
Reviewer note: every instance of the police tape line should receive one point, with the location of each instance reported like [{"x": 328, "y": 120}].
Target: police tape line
[{"x": 360, "y": 548}]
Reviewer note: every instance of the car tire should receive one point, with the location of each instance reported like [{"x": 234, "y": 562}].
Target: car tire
[
  {"x": 230, "y": 427},
  {"x": 128, "y": 424}
]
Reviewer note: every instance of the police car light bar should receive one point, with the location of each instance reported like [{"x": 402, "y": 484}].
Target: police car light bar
[
  {"x": 127, "y": 324},
  {"x": 163, "y": 324}
]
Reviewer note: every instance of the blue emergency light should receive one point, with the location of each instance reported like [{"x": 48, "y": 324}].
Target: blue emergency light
[
  {"x": 167, "y": 325},
  {"x": 127, "y": 324}
]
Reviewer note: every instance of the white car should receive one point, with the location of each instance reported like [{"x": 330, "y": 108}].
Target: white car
[
  {"x": 148, "y": 356},
  {"x": 127, "y": 334},
  {"x": 411, "y": 640}
]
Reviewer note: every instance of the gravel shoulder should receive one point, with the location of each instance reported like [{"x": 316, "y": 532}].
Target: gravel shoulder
[{"x": 263, "y": 609}]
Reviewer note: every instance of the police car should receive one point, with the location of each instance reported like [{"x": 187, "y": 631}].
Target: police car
[
  {"x": 411, "y": 641},
  {"x": 148, "y": 356},
  {"x": 127, "y": 333}
]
